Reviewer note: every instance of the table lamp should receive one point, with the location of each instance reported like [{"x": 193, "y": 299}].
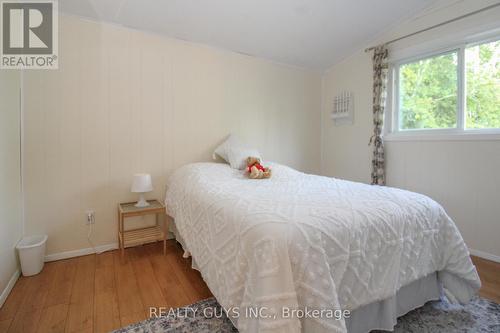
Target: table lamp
[{"x": 142, "y": 184}]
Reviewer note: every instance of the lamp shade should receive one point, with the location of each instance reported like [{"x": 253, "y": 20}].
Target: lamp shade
[{"x": 142, "y": 183}]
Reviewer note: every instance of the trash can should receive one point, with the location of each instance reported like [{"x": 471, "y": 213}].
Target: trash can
[{"x": 32, "y": 254}]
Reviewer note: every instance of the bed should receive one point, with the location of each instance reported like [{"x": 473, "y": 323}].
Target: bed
[{"x": 300, "y": 241}]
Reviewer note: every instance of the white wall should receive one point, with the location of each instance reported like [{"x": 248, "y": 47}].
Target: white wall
[
  {"x": 125, "y": 101},
  {"x": 10, "y": 176},
  {"x": 462, "y": 175},
  {"x": 345, "y": 150}
]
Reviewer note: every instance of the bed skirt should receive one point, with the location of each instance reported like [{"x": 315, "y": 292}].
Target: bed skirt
[{"x": 383, "y": 315}]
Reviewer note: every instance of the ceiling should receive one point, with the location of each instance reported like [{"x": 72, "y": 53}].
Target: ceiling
[{"x": 308, "y": 33}]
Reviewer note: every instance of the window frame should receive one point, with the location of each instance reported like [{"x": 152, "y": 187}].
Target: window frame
[{"x": 393, "y": 132}]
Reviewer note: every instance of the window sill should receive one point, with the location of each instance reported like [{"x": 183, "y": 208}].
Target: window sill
[{"x": 486, "y": 135}]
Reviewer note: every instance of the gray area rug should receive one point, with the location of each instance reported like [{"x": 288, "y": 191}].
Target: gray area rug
[{"x": 479, "y": 315}]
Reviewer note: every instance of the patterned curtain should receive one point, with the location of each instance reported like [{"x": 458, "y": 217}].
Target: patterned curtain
[{"x": 380, "y": 69}]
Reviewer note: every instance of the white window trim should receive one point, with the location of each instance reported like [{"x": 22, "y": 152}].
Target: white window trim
[{"x": 392, "y": 131}]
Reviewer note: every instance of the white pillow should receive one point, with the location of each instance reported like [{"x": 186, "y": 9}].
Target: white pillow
[
  {"x": 238, "y": 156},
  {"x": 222, "y": 150}
]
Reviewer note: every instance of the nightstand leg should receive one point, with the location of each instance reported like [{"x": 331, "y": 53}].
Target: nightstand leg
[
  {"x": 119, "y": 232},
  {"x": 166, "y": 222},
  {"x": 122, "y": 245}
]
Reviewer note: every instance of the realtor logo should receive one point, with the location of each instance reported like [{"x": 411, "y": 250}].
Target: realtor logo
[{"x": 29, "y": 34}]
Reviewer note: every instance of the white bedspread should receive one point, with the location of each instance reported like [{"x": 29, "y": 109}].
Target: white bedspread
[{"x": 299, "y": 240}]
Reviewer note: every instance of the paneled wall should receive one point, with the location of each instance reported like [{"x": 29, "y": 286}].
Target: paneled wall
[
  {"x": 10, "y": 177},
  {"x": 125, "y": 101}
]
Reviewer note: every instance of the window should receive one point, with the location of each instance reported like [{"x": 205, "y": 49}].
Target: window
[
  {"x": 454, "y": 91},
  {"x": 482, "y": 65}
]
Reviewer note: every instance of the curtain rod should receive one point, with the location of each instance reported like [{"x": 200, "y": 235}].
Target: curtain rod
[{"x": 438, "y": 25}]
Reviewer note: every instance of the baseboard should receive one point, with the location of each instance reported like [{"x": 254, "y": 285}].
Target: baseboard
[
  {"x": 86, "y": 251},
  {"x": 81, "y": 252},
  {"x": 485, "y": 255},
  {"x": 8, "y": 288}
]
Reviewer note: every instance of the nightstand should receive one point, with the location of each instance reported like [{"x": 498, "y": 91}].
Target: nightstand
[{"x": 141, "y": 235}]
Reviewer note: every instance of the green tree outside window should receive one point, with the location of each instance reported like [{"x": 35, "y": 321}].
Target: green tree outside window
[{"x": 428, "y": 90}]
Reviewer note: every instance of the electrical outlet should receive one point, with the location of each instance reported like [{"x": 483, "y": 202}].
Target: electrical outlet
[{"x": 89, "y": 217}]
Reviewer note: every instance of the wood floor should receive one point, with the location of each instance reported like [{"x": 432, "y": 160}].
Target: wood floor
[
  {"x": 99, "y": 293},
  {"x": 489, "y": 272}
]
